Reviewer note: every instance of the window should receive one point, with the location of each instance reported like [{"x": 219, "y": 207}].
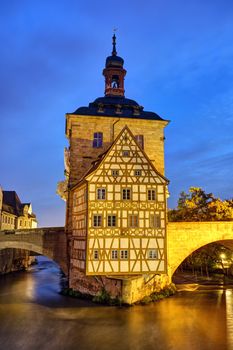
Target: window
[
  {"x": 152, "y": 254},
  {"x": 96, "y": 255},
  {"x": 124, "y": 254},
  {"x": 75, "y": 200},
  {"x": 114, "y": 254},
  {"x": 140, "y": 140},
  {"x": 115, "y": 172},
  {"x": 155, "y": 221},
  {"x": 98, "y": 139},
  {"x": 133, "y": 220},
  {"x": 101, "y": 193},
  {"x": 137, "y": 172},
  {"x": 151, "y": 195},
  {"x": 115, "y": 81},
  {"x": 111, "y": 220},
  {"x": 97, "y": 220},
  {"x": 126, "y": 193},
  {"x": 125, "y": 153}
]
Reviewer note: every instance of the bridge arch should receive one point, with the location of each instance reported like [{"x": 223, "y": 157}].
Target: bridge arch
[
  {"x": 50, "y": 242},
  {"x": 22, "y": 245},
  {"x": 186, "y": 237}
]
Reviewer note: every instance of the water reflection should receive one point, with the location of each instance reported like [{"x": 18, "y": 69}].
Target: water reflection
[
  {"x": 33, "y": 315},
  {"x": 229, "y": 318}
]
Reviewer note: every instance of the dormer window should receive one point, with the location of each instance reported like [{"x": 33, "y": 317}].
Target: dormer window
[
  {"x": 98, "y": 140},
  {"x": 100, "y": 108}
]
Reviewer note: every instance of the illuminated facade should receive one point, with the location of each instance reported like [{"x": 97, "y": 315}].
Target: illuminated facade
[{"x": 116, "y": 206}]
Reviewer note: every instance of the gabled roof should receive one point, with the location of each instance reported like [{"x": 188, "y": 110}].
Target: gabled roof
[
  {"x": 12, "y": 204},
  {"x": 98, "y": 162}
]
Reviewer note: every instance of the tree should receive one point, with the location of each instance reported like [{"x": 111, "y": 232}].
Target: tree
[{"x": 197, "y": 205}]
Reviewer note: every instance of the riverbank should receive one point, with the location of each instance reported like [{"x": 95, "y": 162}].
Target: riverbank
[
  {"x": 186, "y": 281},
  {"x": 104, "y": 297}
]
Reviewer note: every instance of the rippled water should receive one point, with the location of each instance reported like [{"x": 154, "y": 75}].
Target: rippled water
[{"x": 34, "y": 316}]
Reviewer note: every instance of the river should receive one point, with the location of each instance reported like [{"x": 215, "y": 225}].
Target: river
[{"x": 33, "y": 315}]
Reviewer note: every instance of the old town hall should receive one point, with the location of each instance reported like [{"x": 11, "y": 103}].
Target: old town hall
[{"x": 116, "y": 190}]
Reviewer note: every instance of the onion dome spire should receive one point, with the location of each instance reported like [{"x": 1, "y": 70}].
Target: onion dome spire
[
  {"x": 114, "y": 73},
  {"x": 114, "y": 52}
]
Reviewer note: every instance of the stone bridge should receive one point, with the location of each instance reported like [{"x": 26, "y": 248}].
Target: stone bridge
[
  {"x": 50, "y": 241},
  {"x": 183, "y": 238}
]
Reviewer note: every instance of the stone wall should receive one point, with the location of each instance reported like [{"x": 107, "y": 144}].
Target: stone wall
[
  {"x": 128, "y": 289},
  {"x": 14, "y": 260},
  {"x": 135, "y": 289},
  {"x": 80, "y": 130}
]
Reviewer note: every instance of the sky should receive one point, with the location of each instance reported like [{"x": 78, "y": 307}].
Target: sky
[{"x": 179, "y": 60}]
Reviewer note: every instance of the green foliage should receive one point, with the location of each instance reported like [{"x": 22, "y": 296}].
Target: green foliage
[
  {"x": 197, "y": 205},
  {"x": 75, "y": 294},
  {"x": 146, "y": 300},
  {"x": 102, "y": 297},
  {"x": 156, "y": 296}
]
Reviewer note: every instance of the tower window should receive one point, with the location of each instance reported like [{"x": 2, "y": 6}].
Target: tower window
[
  {"x": 151, "y": 195},
  {"x": 115, "y": 82},
  {"x": 140, "y": 140},
  {"x": 101, "y": 193},
  {"x": 98, "y": 140},
  {"x": 126, "y": 193}
]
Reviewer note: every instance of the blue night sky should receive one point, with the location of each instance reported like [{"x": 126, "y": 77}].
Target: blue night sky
[{"x": 179, "y": 59}]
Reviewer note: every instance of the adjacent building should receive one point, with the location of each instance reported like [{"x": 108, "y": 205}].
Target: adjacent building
[{"x": 14, "y": 214}]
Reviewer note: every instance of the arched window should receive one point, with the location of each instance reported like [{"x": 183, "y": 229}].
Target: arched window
[
  {"x": 98, "y": 139},
  {"x": 115, "y": 82}
]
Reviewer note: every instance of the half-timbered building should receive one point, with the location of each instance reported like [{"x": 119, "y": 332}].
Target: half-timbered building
[
  {"x": 119, "y": 213},
  {"x": 116, "y": 194}
]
